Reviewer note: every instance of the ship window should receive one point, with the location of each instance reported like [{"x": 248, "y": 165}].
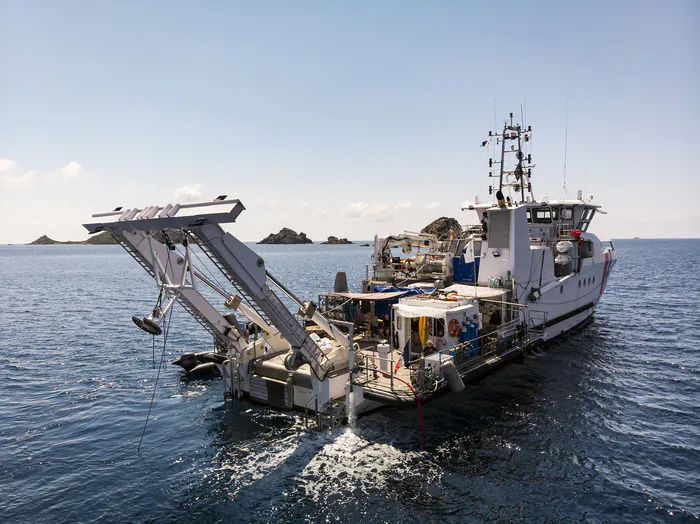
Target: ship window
[
  {"x": 579, "y": 284},
  {"x": 543, "y": 216},
  {"x": 567, "y": 213},
  {"x": 529, "y": 217},
  {"x": 439, "y": 327},
  {"x": 589, "y": 281},
  {"x": 399, "y": 323},
  {"x": 555, "y": 213},
  {"x": 586, "y": 217},
  {"x": 594, "y": 280},
  {"x": 561, "y": 290}
]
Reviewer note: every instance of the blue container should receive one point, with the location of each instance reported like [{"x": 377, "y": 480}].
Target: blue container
[{"x": 463, "y": 272}]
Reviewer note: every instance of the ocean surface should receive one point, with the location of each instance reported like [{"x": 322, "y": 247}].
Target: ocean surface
[{"x": 602, "y": 426}]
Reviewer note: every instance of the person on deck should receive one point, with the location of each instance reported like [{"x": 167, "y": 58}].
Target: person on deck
[
  {"x": 373, "y": 325},
  {"x": 384, "y": 332}
]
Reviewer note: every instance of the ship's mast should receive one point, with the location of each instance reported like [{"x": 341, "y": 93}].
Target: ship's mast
[{"x": 517, "y": 179}]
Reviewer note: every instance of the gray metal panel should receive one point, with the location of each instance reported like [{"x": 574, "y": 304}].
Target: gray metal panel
[{"x": 499, "y": 228}]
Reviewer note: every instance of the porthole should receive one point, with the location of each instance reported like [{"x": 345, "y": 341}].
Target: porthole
[
  {"x": 594, "y": 280},
  {"x": 561, "y": 290},
  {"x": 589, "y": 281},
  {"x": 579, "y": 284}
]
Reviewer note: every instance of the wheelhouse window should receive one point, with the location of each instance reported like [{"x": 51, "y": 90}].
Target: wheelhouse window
[
  {"x": 542, "y": 216},
  {"x": 586, "y": 217},
  {"x": 529, "y": 217},
  {"x": 567, "y": 213}
]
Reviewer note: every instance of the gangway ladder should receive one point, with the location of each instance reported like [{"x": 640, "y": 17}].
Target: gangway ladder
[
  {"x": 133, "y": 253},
  {"x": 536, "y": 324},
  {"x": 240, "y": 290},
  {"x": 245, "y": 269}
]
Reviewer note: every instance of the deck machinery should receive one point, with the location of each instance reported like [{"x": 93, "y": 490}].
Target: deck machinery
[{"x": 285, "y": 367}]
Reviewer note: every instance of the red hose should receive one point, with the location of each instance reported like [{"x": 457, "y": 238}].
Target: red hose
[{"x": 415, "y": 395}]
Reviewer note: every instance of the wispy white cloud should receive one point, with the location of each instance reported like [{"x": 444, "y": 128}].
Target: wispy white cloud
[
  {"x": 433, "y": 205},
  {"x": 372, "y": 212},
  {"x": 356, "y": 209},
  {"x": 380, "y": 213},
  {"x": 11, "y": 180},
  {"x": 188, "y": 193},
  {"x": 7, "y": 165},
  {"x": 314, "y": 210},
  {"x": 71, "y": 171},
  {"x": 402, "y": 206},
  {"x": 320, "y": 212}
]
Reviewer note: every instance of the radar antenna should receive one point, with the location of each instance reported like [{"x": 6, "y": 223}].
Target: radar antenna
[{"x": 515, "y": 179}]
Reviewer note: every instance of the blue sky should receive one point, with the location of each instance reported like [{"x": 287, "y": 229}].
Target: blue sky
[{"x": 342, "y": 118}]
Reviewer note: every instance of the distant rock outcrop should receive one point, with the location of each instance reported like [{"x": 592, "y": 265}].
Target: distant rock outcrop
[
  {"x": 103, "y": 238},
  {"x": 442, "y": 227},
  {"x": 286, "y": 236},
  {"x": 43, "y": 240},
  {"x": 100, "y": 239},
  {"x": 336, "y": 240}
]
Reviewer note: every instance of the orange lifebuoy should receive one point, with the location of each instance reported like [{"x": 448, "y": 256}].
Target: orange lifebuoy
[{"x": 454, "y": 327}]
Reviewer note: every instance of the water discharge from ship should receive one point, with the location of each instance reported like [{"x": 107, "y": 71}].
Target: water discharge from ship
[{"x": 352, "y": 411}]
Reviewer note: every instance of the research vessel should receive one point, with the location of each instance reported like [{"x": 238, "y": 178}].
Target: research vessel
[{"x": 446, "y": 313}]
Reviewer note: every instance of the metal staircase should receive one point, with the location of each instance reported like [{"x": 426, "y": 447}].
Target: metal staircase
[
  {"x": 240, "y": 290},
  {"x": 246, "y": 271},
  {"x": 119, "y": 237}
]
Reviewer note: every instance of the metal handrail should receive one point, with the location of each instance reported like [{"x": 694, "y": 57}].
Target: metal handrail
[{"x": 490, "y": 348}]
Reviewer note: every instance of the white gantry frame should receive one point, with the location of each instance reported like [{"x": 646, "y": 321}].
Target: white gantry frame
[{"x": 136, "y": 230}]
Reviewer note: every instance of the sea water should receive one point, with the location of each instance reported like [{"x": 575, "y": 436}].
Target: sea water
[{"x": 602, "y": 426}]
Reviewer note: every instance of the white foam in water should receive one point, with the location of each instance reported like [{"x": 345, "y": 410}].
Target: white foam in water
[
  {"x": 339, "y": 465},
  {"x": 352, "y": 412},
  {"x": 321, "y": 464},
  {"x": 255, "y": 461}
]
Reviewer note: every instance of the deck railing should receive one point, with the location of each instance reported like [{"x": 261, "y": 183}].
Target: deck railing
[{"x": 424, "y": 371}]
